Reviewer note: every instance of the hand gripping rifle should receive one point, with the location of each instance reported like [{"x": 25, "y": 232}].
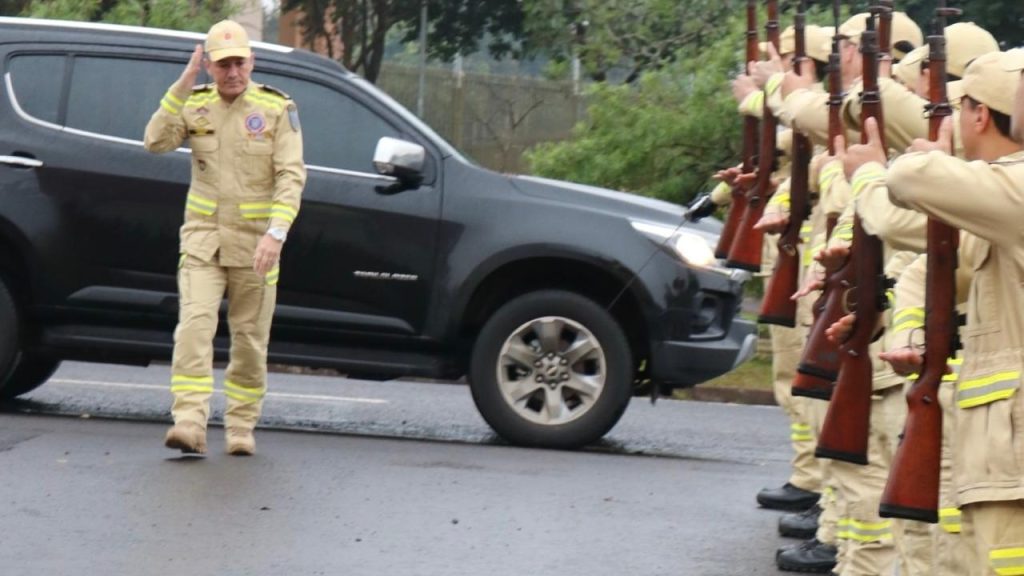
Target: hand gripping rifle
[
  {"x": 819, "y": 363},
  {"x": 751, "y": 127},
  {"x": 745, "y": 252},
  {"x": 778, "y": 307},
  {"x": 844, "y": 434},
  {"x": 912, "y": 491}
]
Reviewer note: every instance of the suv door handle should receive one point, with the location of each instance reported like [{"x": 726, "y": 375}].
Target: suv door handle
[{"x": 21, "y": 161}]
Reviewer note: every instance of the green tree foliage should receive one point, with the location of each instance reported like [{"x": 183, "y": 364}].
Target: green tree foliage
[
  {"x": 662, "y": 136},
  {"x": 455, "y": 26},
  {"x": 634, "y": 35},
  {"x": 195, "y": 15}
]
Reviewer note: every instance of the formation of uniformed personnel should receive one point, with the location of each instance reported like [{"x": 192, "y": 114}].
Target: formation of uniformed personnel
[
  {"x": 247, "y": 180},
  {"x": 982, "y": 196}
]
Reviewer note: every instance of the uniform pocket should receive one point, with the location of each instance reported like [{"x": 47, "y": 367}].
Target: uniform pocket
[
  {"x": 257, "y": 162},
  {"x": 204, "y": 154}
]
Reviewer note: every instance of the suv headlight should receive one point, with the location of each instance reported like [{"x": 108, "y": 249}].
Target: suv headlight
[{"x": 692, "y": 248}]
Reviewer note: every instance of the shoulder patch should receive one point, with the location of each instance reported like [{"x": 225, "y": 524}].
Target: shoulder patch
[{"x": 275, "y": 91}]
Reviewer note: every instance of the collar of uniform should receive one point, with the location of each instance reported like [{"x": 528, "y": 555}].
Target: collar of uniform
[{"x": 1015, "y": 158}]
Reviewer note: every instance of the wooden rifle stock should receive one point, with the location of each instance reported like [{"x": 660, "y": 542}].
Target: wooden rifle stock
[
  {"x": 751, "y": 129},
  {"x": 819, "y": 363},
  {"x": 912, "y": 490},
  {"x": 778, "y": 306},
  {"x": 745, "y": 252},
  {"x": 844, "y": 434}
]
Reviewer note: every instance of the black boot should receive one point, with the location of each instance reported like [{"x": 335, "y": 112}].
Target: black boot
[
  {"x": 801, "y": 525},
  {"x": 811, "y": 556},
  {"x": 788, "y": 497}
]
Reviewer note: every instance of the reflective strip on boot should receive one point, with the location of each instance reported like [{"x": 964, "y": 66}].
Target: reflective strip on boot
[
  {"x": 1007, "y": 561},
  {"x": 949, "y": 519},
  {"x": 181, "y": 383},
  {"x": 800, "y": 433},
  {"x": 243, "y": 394}
]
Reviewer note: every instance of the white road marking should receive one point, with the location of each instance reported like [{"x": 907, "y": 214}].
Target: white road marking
[{"x": 284, "y": 395}]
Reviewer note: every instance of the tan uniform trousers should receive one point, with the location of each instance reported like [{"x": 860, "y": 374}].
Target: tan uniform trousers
[
  {"x": 994, "y": 532},
  {"x": 950, "y": 547},
  {"x": 867, "y": 545},
  {"x": 251, "y": 300},
  {"x": 831, "y": 499},
  {"x": 787, "y": 347}
]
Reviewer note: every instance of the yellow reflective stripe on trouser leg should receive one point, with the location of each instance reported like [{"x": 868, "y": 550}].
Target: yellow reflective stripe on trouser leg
[
  {"x": 870, "y": 531},
  {"x": 800, "y": 433},
  {"x": 1007, "y": 561},
  {"x": 181, "y": 383},
  {"x": 950, "y": 520},
  {"x": 843, "y": 528},
  {"x": 243, "y": 394},
  {"x": 981, "y": 391}
]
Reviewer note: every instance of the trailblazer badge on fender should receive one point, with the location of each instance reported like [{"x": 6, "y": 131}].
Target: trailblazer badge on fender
[{"x": 255, "y": 123}]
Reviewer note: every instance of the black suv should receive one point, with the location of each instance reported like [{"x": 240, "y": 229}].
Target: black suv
[{"x": 555, "y": 300}]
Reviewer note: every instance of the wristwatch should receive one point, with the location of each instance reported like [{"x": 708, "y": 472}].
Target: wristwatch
[{"x": 278, "y": 234}]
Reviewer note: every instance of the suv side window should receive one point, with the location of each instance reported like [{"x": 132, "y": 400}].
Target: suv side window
[
  {"x": 337, "y": 131},
  {"x": 37, "y": 81},
  {"x": 117, "y": 96}
]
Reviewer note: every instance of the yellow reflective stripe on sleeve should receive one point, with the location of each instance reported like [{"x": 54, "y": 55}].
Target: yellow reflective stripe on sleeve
[
  {"x": 169, "y": 107},
  {"x": 809, "y": 254},
  {"x": 955, "y": 364},
  {"x": 773, "y": 83},
  {"x": 844, "y": 231},
  {"x": 865, "y": 177},
  {"x": 829, "y": 174},
  {"x": 273, "y": 276},
  {"x": 1007, "y": 561},
  {"x": 753, "y": 103},
  {"x": 779, "y": 199},
  {"x": 284, "y": 212},
  {"x": 191, "y": 383},
  {"x": 181, "y": 260},
  {"x": 805, "y": 233},
  {"x": 869, "y": 531},
  {"x": 197, "y": 203},
  {"x": 198, "y": 99},
  {"x": 981, "y": 391},
  {"x": 890, "y": 295},
  {"x": 256, "y": 210},
  {"x": 949, "y": 519},
  {"x": 243, "y": 394}
]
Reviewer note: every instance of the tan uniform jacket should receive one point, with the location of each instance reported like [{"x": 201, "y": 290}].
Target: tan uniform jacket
[
  {"x": 989, "y": 448},
  {"x": 247, "y": 168}
]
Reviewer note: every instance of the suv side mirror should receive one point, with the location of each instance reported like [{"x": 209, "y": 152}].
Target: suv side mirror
[{"x": 401, "y": 159}]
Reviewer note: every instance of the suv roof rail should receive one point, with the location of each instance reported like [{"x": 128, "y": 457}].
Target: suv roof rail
[{"x": 99, "y": 26}]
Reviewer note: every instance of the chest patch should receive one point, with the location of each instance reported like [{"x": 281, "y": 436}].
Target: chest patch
[{"x": 255, "y": 123}]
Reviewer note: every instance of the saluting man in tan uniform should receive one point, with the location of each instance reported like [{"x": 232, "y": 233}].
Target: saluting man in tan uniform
[{"x": 247, "y": 179}]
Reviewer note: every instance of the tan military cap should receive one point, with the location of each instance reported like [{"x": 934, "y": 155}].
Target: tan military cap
[
  {"x": 965, "y": 41},
  {"x": 988, "y": 81},
  {"x": 1014, "y": 60},
  {"x": 908, "y": 70},
  {"x": 904, "y": 31},
  {"x": 227, "y": 39},
  {"x": 818, "y": 40}
]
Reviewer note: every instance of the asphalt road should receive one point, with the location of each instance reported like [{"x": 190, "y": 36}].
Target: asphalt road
[{"x": 373, "y": 478}]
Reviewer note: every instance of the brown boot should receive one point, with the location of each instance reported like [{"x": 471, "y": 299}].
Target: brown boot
[
  {"x": 240, "y": 442},
  {"x": 188, "y": 437}
]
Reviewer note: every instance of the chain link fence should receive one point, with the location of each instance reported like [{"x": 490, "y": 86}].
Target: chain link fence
[{"x": 493, "y": 119}]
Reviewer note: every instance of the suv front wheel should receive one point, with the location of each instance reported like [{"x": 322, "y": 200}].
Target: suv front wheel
[{"x": 551, "y": 369}]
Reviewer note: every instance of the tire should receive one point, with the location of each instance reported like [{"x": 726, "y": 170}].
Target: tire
[
  {"x": 28, "y": 374},
  {"x": 9, "y": 331},
  {"x": 579, "y": 353}
]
